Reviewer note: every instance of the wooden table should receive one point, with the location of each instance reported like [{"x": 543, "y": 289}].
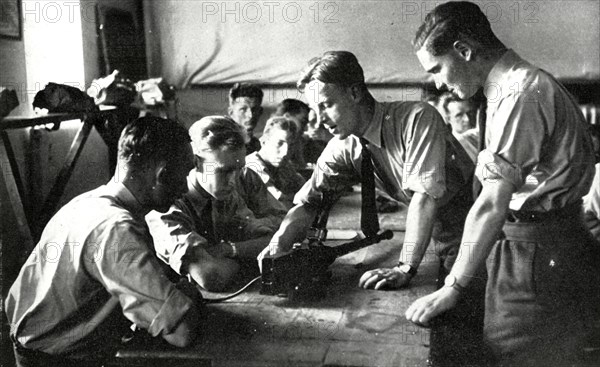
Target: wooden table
[{"x": 349, "y": 327}]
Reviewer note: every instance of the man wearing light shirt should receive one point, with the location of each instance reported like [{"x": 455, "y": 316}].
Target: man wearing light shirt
[
  {"x": 416, "y": 161},
  {"x": 537, "y": 164},
  {"x": 95, "y": 261}
]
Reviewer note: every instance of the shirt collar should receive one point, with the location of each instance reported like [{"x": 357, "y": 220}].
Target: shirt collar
[
  {"x": 194, "y": 189},
  {"x": 126, "y": 198},
  {"x": 373, "y": 132},
  {"x": 266, "y": 169},
  {"x": 500, "y": 71}
]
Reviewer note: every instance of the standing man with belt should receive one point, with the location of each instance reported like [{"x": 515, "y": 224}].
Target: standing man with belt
[{"x": 537, "y": 165}]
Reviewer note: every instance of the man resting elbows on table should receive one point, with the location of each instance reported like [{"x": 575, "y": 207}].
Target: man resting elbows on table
[
  {"x": 94, "y": 270},
  {"x": 210, "y": 232}
]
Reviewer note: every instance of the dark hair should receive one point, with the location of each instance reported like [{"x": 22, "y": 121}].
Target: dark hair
[
  {"x": 150, "y": 139},
  {"x": 431, "y": 94},
  {"x": 448, "y": 97},
  {"x": 214, "y": 132},
  {"x": 453, "y": 21},
  {"x": 282, "y": 123},
  {"x": 335, "y": 67},
  {"x": 291, "y": 106},
  {"x": 245, "y": 90}
]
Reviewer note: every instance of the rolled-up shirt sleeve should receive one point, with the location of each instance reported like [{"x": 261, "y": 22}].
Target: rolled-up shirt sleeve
[
  {"x": 516, "y": 136},
  {"x": 174, "y": 235},
  {"x": 127, "y": 267},
  {"x": 424, "y": 168},
  {"x": 335, "y": 170}
]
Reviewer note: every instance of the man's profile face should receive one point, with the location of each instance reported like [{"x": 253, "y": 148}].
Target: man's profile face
[
  {"x": 218, "y": 170},
  {"x": 275, "y": 146},
  {"x": 450, "y": 70},
  {"x": 335, "y": 106},
  {"x": 246, "y": 111},
  {"x": 461, "y": 115},
  {"x": 172, "y": 182}
]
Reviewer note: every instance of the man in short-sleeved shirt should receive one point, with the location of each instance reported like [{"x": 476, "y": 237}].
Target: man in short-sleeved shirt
[
  {"x": 538, "y": 162},
  {"x": 95, "y": 261},
  {"x": 414, "y": 157}
]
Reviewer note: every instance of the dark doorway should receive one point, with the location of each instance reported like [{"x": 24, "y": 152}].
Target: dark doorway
[{"x": 122, "y": 45}]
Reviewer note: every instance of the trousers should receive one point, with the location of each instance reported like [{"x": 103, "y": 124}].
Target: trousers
[{"x": 542, "y": 291}]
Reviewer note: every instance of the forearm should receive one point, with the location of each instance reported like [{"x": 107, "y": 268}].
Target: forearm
[
  {"x": 187, "y": 330},
  {"x": 419, "y": 225},
  {"x": 482, "y": 227},
  {"x": 250, "y": 249},
  {"x": 294, "y": 227},
  {"x": 211, "y": 272}
]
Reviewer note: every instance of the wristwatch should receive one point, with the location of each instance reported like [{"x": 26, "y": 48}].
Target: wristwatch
[
  {"x": 407, "y": 269},
  {"x": 452, "y": 282}
]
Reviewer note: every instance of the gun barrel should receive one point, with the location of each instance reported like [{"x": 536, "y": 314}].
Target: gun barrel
[{"x": 349, "y": 247}]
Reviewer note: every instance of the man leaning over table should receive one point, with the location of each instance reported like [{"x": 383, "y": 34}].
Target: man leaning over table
[{"x": 416, "y": 161}]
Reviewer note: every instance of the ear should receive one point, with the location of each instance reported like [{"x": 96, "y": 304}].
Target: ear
[
  {"x": 260, "y": 112},
  {"x": 198, "y": 163},
  {"x": 356, "y": 92},
  {"x": 464, "y": 49},
  {"x": 160, "y": 173},
  {"x": 230, "y": 110}
]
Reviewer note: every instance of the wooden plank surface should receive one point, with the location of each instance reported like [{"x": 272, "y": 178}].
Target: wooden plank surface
[{"x": 349, "y": 327}]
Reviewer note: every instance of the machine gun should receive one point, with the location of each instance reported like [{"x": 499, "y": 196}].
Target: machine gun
[{"x": 303, "y": 272}]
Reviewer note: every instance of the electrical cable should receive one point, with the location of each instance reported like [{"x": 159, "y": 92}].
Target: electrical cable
[{"x": 228, "y": 297}]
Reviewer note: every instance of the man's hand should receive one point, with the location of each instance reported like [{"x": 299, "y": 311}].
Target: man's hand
[
  {"x": 272, "y": 249},
  {"x": 430, "y": 306},
  {"x": 384, "y": 278}
]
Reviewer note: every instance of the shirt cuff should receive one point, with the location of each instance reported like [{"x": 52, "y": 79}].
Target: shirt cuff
[
  {"x": 492, "y": 167},
  {"x": 430, "y": 183},
  {"x": 170, "y": 314},
  {"x": 308, "y": 195},
  {"x": 185, "y": 251}
]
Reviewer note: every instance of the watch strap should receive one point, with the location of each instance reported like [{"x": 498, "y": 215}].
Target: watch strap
[{"x": 411, "y": 271}]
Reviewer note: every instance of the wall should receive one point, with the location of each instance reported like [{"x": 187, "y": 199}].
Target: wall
[
  {"x": 59, "y": 44},
  {"x": 13, "y": 75},
  {"x": 217, "y": 42},
  {"x": 195, "y": 103}
]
